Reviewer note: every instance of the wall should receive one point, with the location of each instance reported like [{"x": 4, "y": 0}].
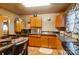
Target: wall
[
  {"x": 12, "y": 17},
  {"x": 46, "y": 25}
]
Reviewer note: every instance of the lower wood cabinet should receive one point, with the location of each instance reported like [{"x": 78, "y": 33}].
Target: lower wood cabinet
[
  {"x": 31, "y": 41},
  {"x": 47, "y": 41},
  {"x": 34, "y": 40},
  {"x": 52, "y": 41},
  {"x": 37, "y": 41},
  {"x": 44, "y": 41},
  {"x": 59, "y": 45}
]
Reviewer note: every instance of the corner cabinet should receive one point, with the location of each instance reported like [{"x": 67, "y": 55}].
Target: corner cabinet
[{"x": 35, "y": 22}]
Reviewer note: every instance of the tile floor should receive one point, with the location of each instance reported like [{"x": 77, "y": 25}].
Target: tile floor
[{"x": 35, "y": 51}]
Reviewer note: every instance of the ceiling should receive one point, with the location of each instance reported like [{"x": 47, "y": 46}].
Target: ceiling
[{"x": 20, "y": 9}]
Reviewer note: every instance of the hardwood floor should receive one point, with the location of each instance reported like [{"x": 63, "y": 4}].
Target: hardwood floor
[{"x": 35, "y": 51}]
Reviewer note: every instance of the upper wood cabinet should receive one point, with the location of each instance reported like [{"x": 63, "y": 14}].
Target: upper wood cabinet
[
  {"x": 0, "y": 19},
  {"x": 19, "y": 24},
  {"x": 35, "y": 22},
  {"x": 60, "y": 21}
]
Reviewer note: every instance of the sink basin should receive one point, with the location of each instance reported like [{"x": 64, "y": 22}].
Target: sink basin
[{"x": 45, "y": 51}]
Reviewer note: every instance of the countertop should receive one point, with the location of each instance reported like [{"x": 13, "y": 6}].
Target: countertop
[
  {"x": 69, "y": 44},
  {"x": 5, "y": 47},
  {"x": 16, "y": 41},
  {"x": 65, "y": 38},
  {"x": 53, "y": 34}
]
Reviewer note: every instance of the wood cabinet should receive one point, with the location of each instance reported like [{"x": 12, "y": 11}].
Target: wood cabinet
[
  {"x": 37, "y": 41},
  {"x": 44, "y": 41},
  {"x": 60, "y": 22},
  {"x": 59, "y": 45},
  {"x": 52, "y": 41},
  {"x": 19, "y": 24},
  {"x": 35, "y": 22},
  {"x": 34, "y": 40},
  {"x": 31, "y": 41},
  {"x": 38, "y": 23},
  {"x": 0, "y": 18}
]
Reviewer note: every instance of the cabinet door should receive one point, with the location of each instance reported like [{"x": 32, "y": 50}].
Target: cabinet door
[
  {"x": 0, "y": 19},
  {"x": 35, "y": 22},
  {"x": 59, "y": 46},
  {"x": 34, "y": 40},
  {"x": 37, "y": 41},
  {"x": 38, "y": 23},
  {"x": 32, "y": 22},
  {"x": 31, "y": 41},
  {"x": 44, "y": 41},
  {"x": 22, "y": 25},
  {"x": 18, "y": 26},
  {"x": 52, "y": 42},
  {"x": 60, "y": 21}
]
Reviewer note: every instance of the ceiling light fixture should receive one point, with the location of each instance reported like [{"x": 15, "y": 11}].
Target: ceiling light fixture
[{"x": 35, "y": 4}]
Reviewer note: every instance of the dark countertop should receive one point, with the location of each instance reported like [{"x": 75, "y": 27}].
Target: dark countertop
[
  {"x": 69, "y": 44},
  {"x": 5, "y": 47},
  {"x": 65, "y": 38},
  {"x": 24, "y": 39},
  {"x": 45, "y": 34},
  {"x": 17, "y": 42}
]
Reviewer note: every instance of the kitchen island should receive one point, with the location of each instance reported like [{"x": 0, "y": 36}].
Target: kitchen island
[{"x": 10, "y": 48}]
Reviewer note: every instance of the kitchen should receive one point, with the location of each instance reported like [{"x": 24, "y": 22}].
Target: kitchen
[{"x": 39, "y": 30}]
